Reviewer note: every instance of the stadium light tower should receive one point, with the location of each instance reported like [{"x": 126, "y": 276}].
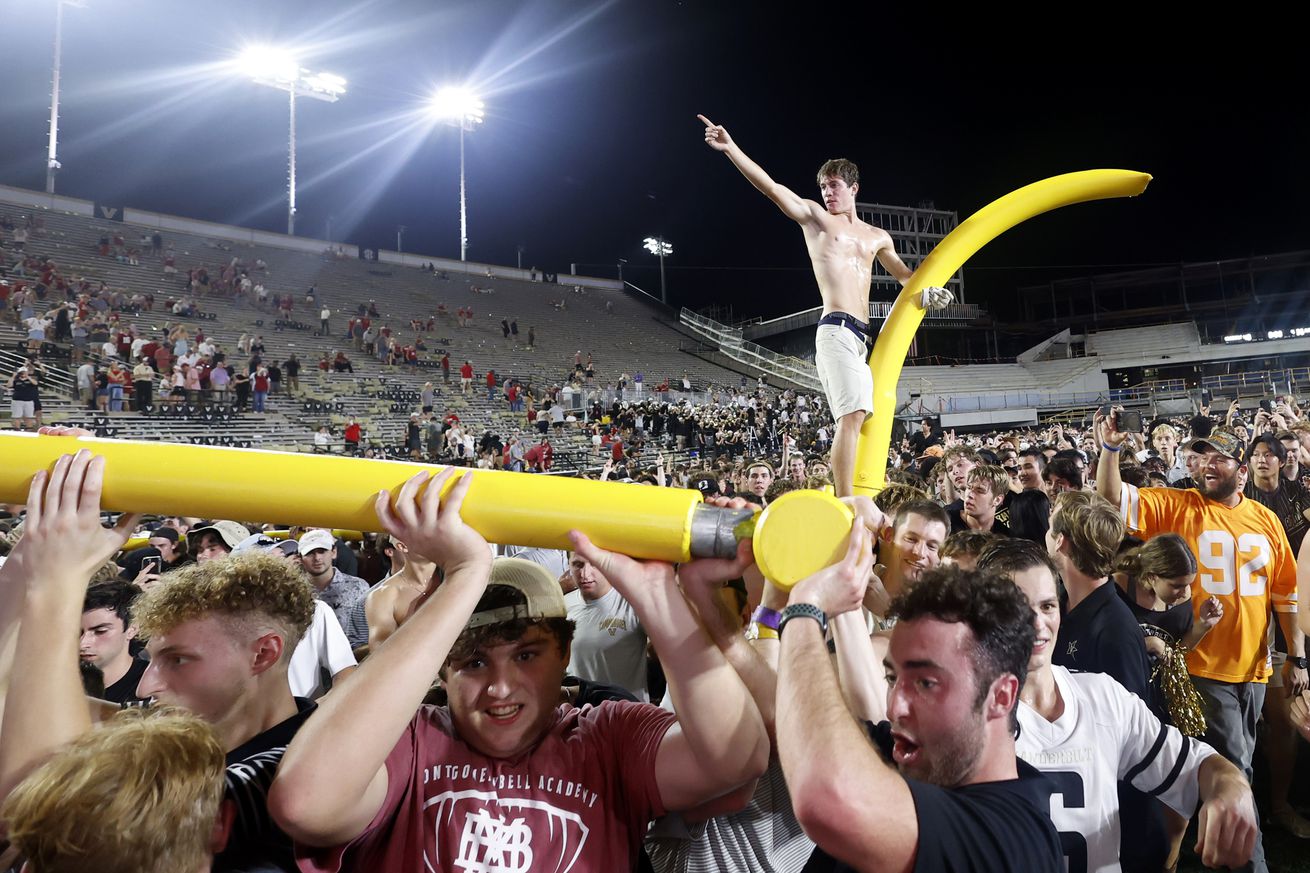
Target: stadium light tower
[
  {"x": 279, "y": 69},
  {"x": 657, "y": 246},
  {"x": 461, "y": 108},
  {"x": 52, "y": 149}
]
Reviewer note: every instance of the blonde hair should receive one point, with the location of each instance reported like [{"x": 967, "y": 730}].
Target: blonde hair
[
  {"x": 1093, "y": 528},
  {"x": 1164, "y": 428},
  {"x": 995, "y": 477},
  {"x": 248, "y": 588},
  {"x": 896, "y": 493},
  {"x": 140, "y": 793}
]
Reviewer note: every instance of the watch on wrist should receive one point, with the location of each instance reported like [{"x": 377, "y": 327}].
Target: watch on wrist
[
  {"x": 803, "y": 610},
  {"x": 1298, "y": 663}
]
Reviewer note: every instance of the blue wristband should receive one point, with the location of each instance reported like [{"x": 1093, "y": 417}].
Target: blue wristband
[{"x": 1110, "y": 448}]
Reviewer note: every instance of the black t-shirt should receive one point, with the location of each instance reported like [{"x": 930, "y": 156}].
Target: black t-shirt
[
  {"x": 256, "y": 842},
  {"x": 958, "y": 523},
  {"x": 1027, "y": 514},
  {"x": 25, "y": 390},
  {"x": 1101, "y": 635},
  {"x": 920, "y": 441},
  {"x": 1289, "y": 501},
  {"x": 123, "y": 692},
  {"x": 988, "y": 826}
]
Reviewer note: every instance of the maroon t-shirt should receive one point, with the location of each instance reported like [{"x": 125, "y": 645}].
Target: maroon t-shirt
[{"x": 578, "y": 801}]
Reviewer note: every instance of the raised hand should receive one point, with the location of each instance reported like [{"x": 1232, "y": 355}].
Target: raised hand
[
  {"x": 636, "y": 580},
  {"x": 63, "y": 539},
  {"x": 1106, "y": 431},
  {"x": 716, "y": 135},
  {"x": 436, "y": 532},
  {"x": 704, "y": 577}
]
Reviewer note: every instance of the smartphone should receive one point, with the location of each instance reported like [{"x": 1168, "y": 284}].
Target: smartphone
[
  {"x": 1267, "y": 406},
  {"x": 1129, "y": 422},
  {"x": 152, "y": 564},
  {"x": 1105, "y": 410}
]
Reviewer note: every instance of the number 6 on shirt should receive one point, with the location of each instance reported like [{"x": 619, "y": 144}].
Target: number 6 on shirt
[{"x": 1220, "y": 574}]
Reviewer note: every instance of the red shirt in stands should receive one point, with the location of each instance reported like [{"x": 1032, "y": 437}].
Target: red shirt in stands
[
  {"x": 579, "y": 800},
  {"x": 466, "y": 371}
]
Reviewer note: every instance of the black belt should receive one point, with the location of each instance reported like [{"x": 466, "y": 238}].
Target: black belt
[{"x": 859, "y": 328}]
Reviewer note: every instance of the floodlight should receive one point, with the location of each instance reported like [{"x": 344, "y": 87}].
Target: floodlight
[
  {"x": 457, "y": 105},
  {"x": 279, "y": 68},
  {"x": 460, "y": 107},
  {"x": 268, "y": 64}
]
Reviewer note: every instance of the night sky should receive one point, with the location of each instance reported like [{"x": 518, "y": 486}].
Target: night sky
[{"x": 591, "y": 141}]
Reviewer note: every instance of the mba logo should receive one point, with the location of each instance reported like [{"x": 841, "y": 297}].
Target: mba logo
[
  {"x": 480, "y": 832},
  {"x": 110, "y": 213},
  {"x": 490, "y": 845}
]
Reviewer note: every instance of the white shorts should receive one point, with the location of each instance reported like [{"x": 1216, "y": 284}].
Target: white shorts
[
  {"x": 843, "y": 370},
  {"x": 22, "y": 409}
]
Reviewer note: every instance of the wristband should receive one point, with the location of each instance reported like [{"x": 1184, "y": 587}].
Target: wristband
[
  {"x": 803, "y": 610},
  {"x": 766, "y": 617},
  {"x": 1110, "y": 448}
]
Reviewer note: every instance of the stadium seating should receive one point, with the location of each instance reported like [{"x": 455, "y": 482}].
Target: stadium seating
[{"x": 623, "y": 332}]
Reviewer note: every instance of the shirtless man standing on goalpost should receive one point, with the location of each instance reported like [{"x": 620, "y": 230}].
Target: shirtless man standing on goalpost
[{"x": 842, "y": 249}]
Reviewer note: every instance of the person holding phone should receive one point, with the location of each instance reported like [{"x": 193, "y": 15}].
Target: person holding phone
[{"x": 1246, "y": 562}]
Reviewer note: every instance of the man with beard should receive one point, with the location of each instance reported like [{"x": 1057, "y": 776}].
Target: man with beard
[
  {"x": 941, "y": 787},
  {"x": 1245, "y": 562}
]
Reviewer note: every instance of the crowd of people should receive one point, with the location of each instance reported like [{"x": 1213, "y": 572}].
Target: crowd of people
[
  {"x": 1040, "y": 649},
  {"x": 1059, "y": 641}
]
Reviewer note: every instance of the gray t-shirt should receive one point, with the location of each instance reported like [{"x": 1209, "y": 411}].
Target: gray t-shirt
[{"x": 609, "y": 644}]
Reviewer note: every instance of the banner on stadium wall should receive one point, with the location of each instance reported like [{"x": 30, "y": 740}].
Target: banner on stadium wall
[{"x": 111, "y": 213}]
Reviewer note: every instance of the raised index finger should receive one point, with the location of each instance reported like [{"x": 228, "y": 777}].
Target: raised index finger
[{"x": 708, "y": 123}]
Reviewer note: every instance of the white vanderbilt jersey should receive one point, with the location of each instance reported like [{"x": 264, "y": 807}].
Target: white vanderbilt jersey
[{"x": 1105, "y": 734}]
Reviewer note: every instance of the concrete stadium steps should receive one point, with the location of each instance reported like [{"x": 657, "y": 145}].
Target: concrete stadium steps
[{"x": 1130, "y": 346}]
